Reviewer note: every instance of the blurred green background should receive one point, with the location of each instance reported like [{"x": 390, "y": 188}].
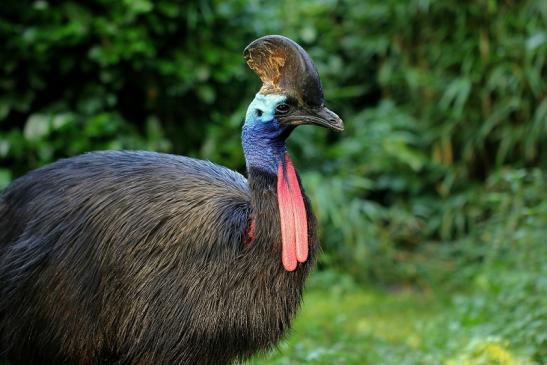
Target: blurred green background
[{"x": 432, "y": 204}]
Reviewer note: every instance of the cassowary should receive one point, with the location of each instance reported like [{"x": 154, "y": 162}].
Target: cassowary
[{"x": 149, "y": 258}]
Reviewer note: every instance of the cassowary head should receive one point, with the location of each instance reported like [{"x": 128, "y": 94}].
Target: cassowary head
[{"x": 291, "y": 93}]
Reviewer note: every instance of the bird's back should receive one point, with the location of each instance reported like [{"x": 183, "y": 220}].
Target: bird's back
[{"x": 142, "y": 189}]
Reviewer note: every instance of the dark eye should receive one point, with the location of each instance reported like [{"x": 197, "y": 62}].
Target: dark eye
[
  {"x": 259, "y": 113},
  {"x": 282, "y": 108}
]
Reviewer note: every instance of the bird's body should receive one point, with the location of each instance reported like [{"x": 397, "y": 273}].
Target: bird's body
[
  {"x": 120, "y": 254},
  {"x": 148, "y": 258}
]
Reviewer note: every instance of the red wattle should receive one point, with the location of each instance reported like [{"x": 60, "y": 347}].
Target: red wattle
[
  {"x": 250, "y": 231},
  {"x": 299, "y": 212},
  {"x": 293, "y": 218},
  {"x": 288, "y": 238}
]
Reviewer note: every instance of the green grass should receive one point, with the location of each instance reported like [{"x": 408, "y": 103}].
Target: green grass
[
  {"x": 488, "y": 307},
  {"x": 352, "y": 325},
  {"x": 356, "y": 327}
]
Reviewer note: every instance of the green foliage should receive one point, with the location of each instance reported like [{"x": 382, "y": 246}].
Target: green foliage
[
  {"x": 443, "y": 101},
  {"x": 83, "y": 76}
]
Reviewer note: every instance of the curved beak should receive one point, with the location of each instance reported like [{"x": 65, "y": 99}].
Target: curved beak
[{"x": 318, "y": 116}]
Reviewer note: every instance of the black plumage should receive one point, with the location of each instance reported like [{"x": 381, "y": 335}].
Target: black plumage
[{"x": 118, "y": 262}]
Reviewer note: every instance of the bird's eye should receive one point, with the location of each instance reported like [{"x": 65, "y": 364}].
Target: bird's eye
[
  {"x": 259, "y": 113},
  {"x": 282, "y": 108}
]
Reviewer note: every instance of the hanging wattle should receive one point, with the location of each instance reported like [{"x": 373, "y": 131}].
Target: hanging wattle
[{"x": 293, "y": 218}]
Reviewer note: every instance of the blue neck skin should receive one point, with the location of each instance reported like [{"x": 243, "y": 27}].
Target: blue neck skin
[{"x": 262, "y": 136}]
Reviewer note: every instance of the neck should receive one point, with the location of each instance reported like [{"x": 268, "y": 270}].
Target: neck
[
  {"x": 263, "y": 146},
  {"x": 272, "y": 180},
  {"x": 276, "y": 195}
]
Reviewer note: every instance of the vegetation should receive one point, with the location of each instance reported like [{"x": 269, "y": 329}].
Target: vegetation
[
  {"x": 500, "y": 319},
  {"x": 432, "y": 204}
]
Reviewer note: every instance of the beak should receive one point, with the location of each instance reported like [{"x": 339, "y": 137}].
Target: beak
[{"x": 321, "y": 116}]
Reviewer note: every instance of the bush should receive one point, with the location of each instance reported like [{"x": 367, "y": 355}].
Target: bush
[{"x": 101, "y": 75}]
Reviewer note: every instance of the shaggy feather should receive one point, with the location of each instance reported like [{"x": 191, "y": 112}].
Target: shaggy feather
[{"x": 139, "y": 258}]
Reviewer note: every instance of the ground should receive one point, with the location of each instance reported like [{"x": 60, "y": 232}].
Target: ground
[{"x": 361, "y": 326}]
